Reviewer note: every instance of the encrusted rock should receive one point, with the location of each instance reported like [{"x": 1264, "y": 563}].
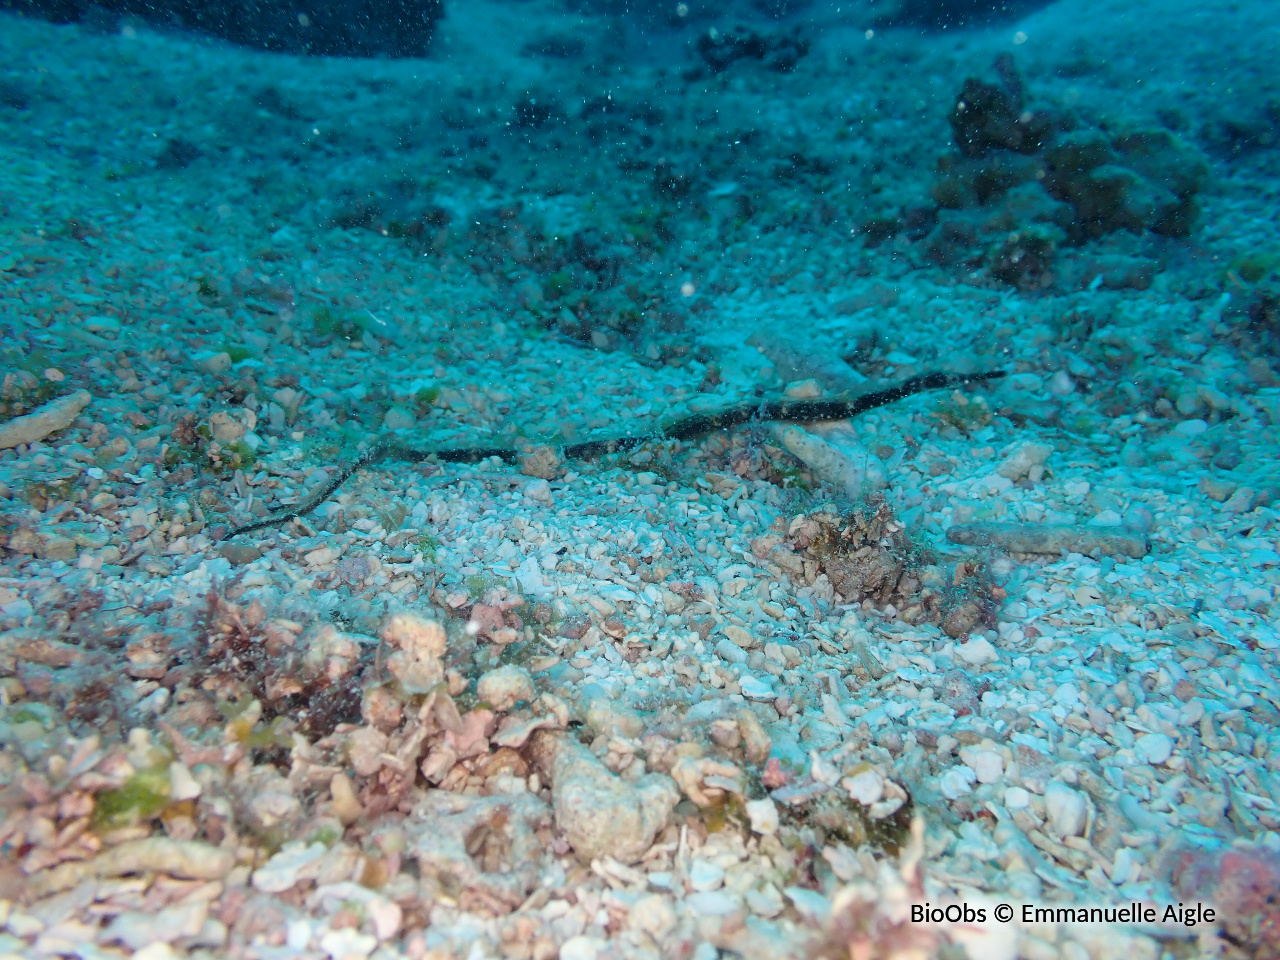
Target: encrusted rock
[
  {"x": 540, "y": 461},
  {"x": 609, "y": 717},
  {"x": 866, "y": 554},
  {"x": 329, "y": 652},
  {"x": 504, "y": 687},
  {"x": 486, "y": 843},
  {"x": 601, "y": 814},
  {"x": 1024, "y": 459},
  {"x": 416, "y": 664}
]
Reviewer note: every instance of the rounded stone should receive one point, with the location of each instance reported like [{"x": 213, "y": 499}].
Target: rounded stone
[
  {"x": 977, "y": 652},
  {"x": 705, "y": 876},
  {"x": 988, "y": 766},
  {"x": 504, "y": 687},
  {"x": 1015, "y": 798},
  {"x": 216, "y": 363},
  {"x": 398, "y": 418},
  {"x": 1138, "y": 519},
  {"x": 1154, "y": 748},
  {"x": 1067, "y": 695},
  {"x": 754, "y": 689},
  {"x": 580, "y": 948},
  {"x": 539, "y": 490},
  {"x": 1065, "y": 808},
  {"x": 763, "y": 815}
]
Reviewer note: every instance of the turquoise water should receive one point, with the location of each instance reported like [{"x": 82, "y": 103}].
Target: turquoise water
[{"x": 817, "y": 458}]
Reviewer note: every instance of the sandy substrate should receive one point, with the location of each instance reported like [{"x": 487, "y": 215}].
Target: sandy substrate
[{"x": 753, "y": 695}]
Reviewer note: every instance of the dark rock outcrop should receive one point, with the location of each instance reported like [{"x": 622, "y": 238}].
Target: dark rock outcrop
[{"x": 339, "y": 28}]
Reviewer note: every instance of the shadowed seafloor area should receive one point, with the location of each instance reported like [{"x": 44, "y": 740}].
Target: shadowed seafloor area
[{"x": 412, "y": 547}]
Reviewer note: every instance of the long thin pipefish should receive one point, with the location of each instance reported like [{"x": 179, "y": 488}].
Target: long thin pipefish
[{"x": 781, "y": 410}]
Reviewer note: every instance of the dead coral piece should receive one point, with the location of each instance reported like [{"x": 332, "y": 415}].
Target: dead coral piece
[
  {"x": 705, "y": 781},
  {"x": 189, "y": 859},
  {"x": 849, "y": 467},
  {"x": 416, "y": 664},
  {"x": 53, "y": 416},
  {"x": 1050, "y": 539},
  {"x": 489, "y": 844},
  {"x": 601, "y": 814}
]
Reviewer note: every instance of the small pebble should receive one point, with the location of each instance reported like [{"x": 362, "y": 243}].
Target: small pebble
[
  {"x": 726, "y": 650},
  {"x": 398, "y": 418},
  {"x": 977, "y": 652},
  {"x": 538, "y": 491},
  {"x": 1016, "y": 798},
  {"x": 1065, "y": 808},
  {"x": 1138, "y": 519},
  {"x": 1154, "y": 748},
  {"x": 346, "y": 805},
  {"x": 580, "y": 948},
  {"x": 504, "y": 687},
  {"x": 1133, "y": 455},
  {"x": 763, "y": 815},
  {"x": 988, "y": 766},
  {"x": 239, "y": 553},
  {"x": 867, "y": 786},
  {"x": 1067, "y": 695},
  {"x": 754, "y": 689},
  {"x": 1061, "y": 384},
  {"x": 705, "y": 876}
]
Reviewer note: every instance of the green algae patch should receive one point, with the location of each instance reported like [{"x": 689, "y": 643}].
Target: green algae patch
[
  {"x": 142, "y": 797},
  {"x": 1254, "y": 267},
  {"x": 338, "y": 323}
]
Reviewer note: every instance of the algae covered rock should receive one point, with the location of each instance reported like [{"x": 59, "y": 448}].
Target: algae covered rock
[
  {"x": 1025, "y": 181},
  {"x": 1025, "y": 258},
  {"x": 1145, "y": 179},
  {"x": 779, "y": 51},
  {"x": 987, "y": 116}
]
